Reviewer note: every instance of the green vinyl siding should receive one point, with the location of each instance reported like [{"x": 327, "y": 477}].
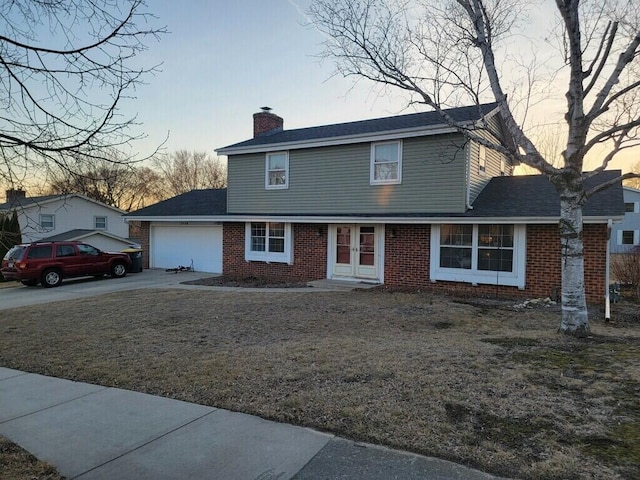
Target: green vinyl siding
[
  {"x": 478, "y": 179},
  {"x": 336, "y": 180}
]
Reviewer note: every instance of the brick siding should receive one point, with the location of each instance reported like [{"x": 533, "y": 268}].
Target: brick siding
[
  {"x": 309, "y": 254},
  {"x": 144, "y": 231},
  {"x": 407, "y": 257},
  {"x": 409, "y": 267}
]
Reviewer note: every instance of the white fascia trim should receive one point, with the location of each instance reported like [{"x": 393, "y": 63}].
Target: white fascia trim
[
  {"x": 344, "y": 140},
  {"x": 398, "y": 220},
  {"x": 365, "y": 220},
  {"x": 100, "y": 232},
  {"x": 186, "y": 218}
]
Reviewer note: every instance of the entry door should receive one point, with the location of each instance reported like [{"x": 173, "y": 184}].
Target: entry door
[{"x": 355, "y": 251}]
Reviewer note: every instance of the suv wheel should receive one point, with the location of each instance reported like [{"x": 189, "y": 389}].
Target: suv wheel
[
  {"x": 51, "y": 278},
  {"x": 118, "y": 270}
]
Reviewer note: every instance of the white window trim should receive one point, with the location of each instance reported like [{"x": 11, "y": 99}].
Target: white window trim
[
  {"x": 503, "y": 167},
  {"x": 53, "y": 221},
  {"x": 394, "y": 181},
  {"x": 482, "y": 160},
  {"x": 636, "y": 237},
  {"x": 95, "y": 222},
  {"x": 515, "y": 279},
  {"x": 269, "y": 257},
  {"x": 286, "y": 171}
]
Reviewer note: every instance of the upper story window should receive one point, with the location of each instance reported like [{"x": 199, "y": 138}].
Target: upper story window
[
  {"x": 632, "y": 207},
  {"x": 268, "y": 242},
  {"x": 277, "y": 170},
  {"x": 47, "y": 221},
  {"x": 482, "y": 160},
  {"x": 100, "y": 223},
  {"x": 386, "y": 163}
]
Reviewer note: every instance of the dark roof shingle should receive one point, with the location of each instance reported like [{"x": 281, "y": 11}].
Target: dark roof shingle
[
  {"x": 535, "y": 196},
  {"x": 363, "y": 127},
  {"x": 209, "y": 202}
]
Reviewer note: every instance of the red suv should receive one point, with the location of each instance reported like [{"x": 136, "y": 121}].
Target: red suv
[{"x": 50, "y": 262}]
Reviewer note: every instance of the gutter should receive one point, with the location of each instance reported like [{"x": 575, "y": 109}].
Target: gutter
[
  {"x": 367, "y": 219},
  {"x": 607, "y": 300},
  {"x": 341, "y": 140}
]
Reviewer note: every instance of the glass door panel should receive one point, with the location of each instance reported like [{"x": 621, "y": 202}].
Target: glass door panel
[
  {"x": 367, "y": 246},
  {"x": 343, "y": 245}
]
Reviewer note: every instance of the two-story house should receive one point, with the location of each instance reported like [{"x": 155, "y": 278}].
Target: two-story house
[
  {"x": 401, "y": 201},
  {"x": 68, "y": 217},
  {"x": 625, "y": 236},
  {"x": 405, "y": 201}
]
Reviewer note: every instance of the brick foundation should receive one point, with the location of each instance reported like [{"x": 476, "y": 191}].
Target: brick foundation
[
  {"x": 407, "y": 256},
  {"x": 309, "y": 254},
  {"x": 409, "y": 267},
  {"x": 144, "y": 231}
]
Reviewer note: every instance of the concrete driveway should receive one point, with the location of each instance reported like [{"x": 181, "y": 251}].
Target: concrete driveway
[{"x": 20, "y": 295}]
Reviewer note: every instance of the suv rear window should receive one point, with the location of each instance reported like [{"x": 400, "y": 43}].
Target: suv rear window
[
  {"x": 15, "y": 253},
  {"x": 40, "y": 251}
]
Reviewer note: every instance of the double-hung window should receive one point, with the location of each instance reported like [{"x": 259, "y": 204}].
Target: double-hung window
[
  {"x": 481, "y": 253},
  {"x": 629, "y": 237},
  {"x": 277, "y": 171},
  {"x": 47, "y": 221},
  {"x": 268, "y": 242},
  {"x": 100, "y": 223},
  {"x": 386, "y": 163},
  {"x": 482, "y": 160}
]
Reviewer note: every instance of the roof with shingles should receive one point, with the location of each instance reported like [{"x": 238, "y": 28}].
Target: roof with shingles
[
  {"x": 535, "y": 196},
  {"x": 524, "y": 196},
  {"x": 364, "y": 127},
  {"x": 26, "y": 202},
  {"x": 208, "y": 202}
]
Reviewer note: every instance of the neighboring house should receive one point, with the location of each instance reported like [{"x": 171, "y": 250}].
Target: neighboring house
[
  {"x": 182, "y": 230},
  {"x": 625, "y": 236},
  {"x": 68, "y": 217},
  {"x": 404, "y": 201}
]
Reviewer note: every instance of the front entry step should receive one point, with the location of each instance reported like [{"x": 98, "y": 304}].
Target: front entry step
[{"x": 342, "y": 284}]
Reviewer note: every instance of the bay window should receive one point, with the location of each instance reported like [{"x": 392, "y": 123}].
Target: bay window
[{"x": 479, "y": 253}]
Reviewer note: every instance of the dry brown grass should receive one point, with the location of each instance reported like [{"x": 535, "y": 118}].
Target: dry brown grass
[
  {"x": 474, "y": 382},
  {"x": 18, "y": 464}
]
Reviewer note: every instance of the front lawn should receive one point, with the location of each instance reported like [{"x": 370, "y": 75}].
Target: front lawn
[{"x": 477, "y": 382}]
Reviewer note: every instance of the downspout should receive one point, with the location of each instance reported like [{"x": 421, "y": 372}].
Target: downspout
[
  {"x": 607, "y": 304},
  {"x": 468, "y": 185}
]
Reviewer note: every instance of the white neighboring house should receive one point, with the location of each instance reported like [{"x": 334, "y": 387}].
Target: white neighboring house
[
  {"x": 68, "y": 217},
  {"x": 625, "y": 236}
]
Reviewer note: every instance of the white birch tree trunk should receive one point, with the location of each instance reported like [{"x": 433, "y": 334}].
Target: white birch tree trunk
[{"x": 575, "y": 318}]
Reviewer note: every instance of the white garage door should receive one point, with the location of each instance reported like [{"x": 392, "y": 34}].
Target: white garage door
[{"x": 172, "y": 246}]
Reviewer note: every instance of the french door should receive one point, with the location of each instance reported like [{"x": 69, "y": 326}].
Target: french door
[{"x": 355, "y": 251}]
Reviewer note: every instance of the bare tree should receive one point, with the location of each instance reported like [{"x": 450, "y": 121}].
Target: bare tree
[
  {"x": 126, "y": 187},
  {"x": 66, "y": 68},
  {"x": 183, "y": 171},
  {"x": 634, "y": 182},
  {"x": 449, "y": 52}
]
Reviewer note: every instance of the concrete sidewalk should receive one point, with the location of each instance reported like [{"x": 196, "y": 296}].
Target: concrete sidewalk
[{"x": 93, "y": 432}]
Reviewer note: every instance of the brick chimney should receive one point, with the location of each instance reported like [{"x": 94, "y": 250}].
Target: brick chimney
[
  {"x": 15, "y": 195},
  {"x": 265, "y": 122}
]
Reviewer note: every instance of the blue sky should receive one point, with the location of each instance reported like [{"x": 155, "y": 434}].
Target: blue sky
[{"x": 223, "y": 60}]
